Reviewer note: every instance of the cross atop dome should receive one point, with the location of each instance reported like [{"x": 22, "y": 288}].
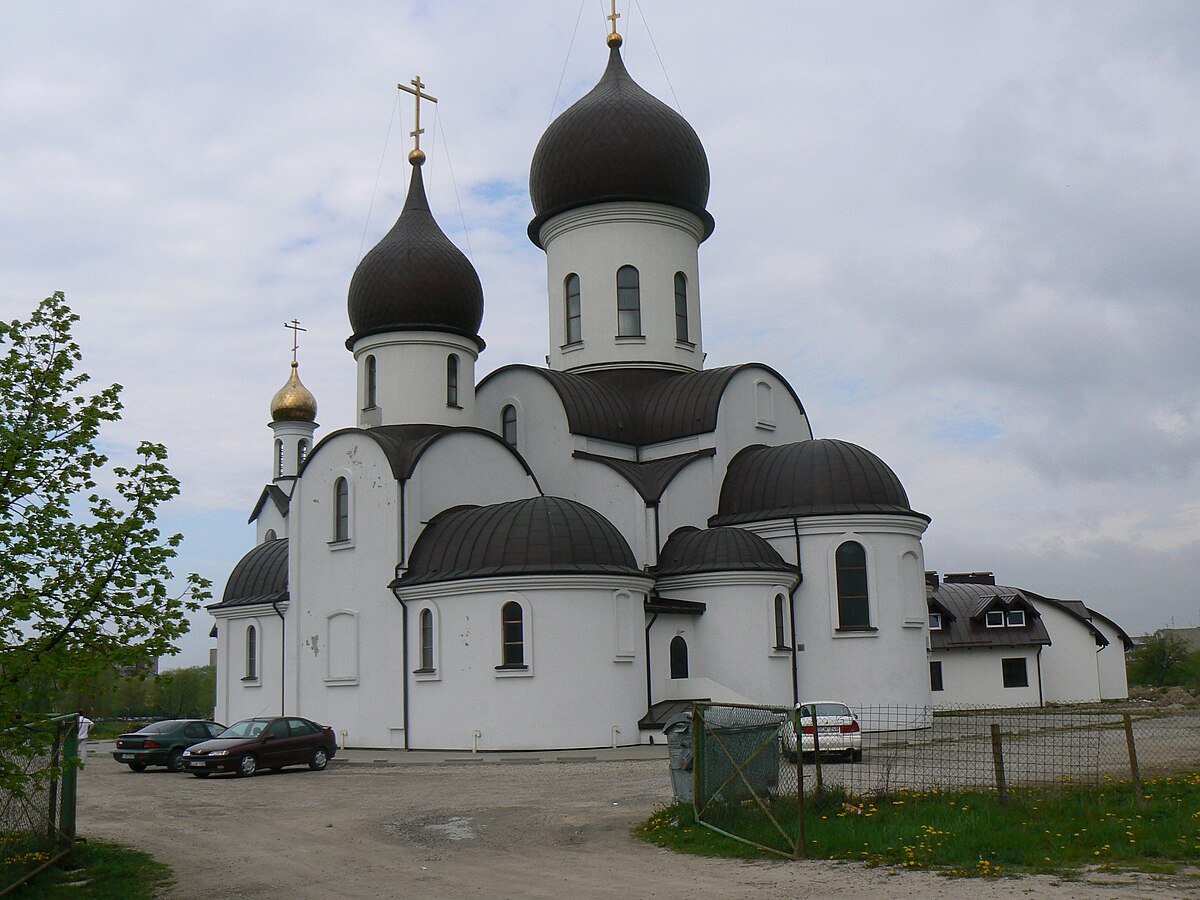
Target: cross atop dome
[
  {"x": 417, "y": 155},
  {"x": 613, "y": 39}
]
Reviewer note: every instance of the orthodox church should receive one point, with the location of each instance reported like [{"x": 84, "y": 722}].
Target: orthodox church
[{"x": 559, "y": 556}]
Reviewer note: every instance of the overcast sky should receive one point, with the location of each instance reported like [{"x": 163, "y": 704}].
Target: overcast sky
[{"x": 965, "y": 232}]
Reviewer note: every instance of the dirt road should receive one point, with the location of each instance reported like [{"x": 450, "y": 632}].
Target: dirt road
[{"x": 540, "y": 830}]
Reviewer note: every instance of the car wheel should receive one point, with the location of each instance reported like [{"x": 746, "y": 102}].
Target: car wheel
[
  {"x": 202, "y": 774},
  {"x": 320, "y": 760},
  {"x": 175, "y": 760},
  {"x": 247, "y": 765},
  {"x": 138, "y": 767},
  {"x": 856, "y": 755}
]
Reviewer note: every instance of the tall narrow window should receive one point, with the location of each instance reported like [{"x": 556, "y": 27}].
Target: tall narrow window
[
  {"x": 301, "y": 453},
  {"x": 629, "y": 302},
  {"x": 681, "y": 322},
  {"x": 508, "y": 425},
  {"x": 780, "y": 624},
  {"x": 251, "y": 653},
  {"x": 853, "y": 609},
  {"x": 679, "y": 657},
  {"x": 279, "y": 459},
  {"x": 512, "y": 636},
  {"x": 341, "y": 510},
  {"x": 574, "y": 315},
  {"x": 370, "y": 383},
  {"x": 452, "y": 380},
  {"x": 426, "y": 640},
  {"x": 935, "y": 675}
]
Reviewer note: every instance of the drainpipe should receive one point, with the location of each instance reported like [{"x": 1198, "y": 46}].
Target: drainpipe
[
  {"x": 1041, "y": 701},
  {"x": 657, "y": 535},
  {"x": 792, "y": 615},
  {"x": 649, "y": 690},
  {"x": 404, "y": 664},
  {"x": 282, "y": 660}
]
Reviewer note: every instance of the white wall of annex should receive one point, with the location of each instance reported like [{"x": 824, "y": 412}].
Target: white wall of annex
[
  {"x": 975, "y": 677},
  {"x": 1114, "y": 681},
  {"x": 1070, "y": 667},
  {"x": 237, "y": 697}
]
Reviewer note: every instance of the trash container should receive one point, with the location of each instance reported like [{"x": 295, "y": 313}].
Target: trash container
[
  {"x": 741, "y": 753},
  {"x": 679, "y": 747}
]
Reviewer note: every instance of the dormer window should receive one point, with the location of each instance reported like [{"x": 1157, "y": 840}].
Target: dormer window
[
  {"x": 1016, "y": 618},
  {"x": 994, "y": 618},
  {"x": 935, "y": 621}
]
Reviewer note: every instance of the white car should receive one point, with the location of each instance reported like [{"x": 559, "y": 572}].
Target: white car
[{"x": 837, "y": 730}]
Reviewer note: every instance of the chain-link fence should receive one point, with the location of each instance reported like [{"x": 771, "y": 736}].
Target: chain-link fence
[
  {"x": 754, "y": 765},
  {"x": 38, "y": 766}
]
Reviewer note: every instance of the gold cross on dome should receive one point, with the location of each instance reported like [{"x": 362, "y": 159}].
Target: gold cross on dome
[
  {"x": 417, "y": 156},
  {"x": 296, "y": 329},
  {"x": 613, "y": 16}
]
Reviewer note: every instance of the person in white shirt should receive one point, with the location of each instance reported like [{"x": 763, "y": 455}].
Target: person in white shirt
[{"x": 85, "y": 728}]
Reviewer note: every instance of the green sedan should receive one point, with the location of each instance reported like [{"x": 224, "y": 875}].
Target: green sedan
[{"x": 163, "y": 743}]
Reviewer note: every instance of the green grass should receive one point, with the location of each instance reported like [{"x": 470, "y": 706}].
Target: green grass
[
  {"x": 100, "y": 871},
  {"x": 1059, "y": 830}
]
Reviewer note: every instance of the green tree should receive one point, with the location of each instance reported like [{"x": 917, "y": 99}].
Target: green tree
[
  {"x": 84, "y": 571},
  {"x": 1160, "y": 660}
]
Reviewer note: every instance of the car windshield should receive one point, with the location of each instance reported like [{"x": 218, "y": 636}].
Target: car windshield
[
  {"x": 826, "y": 709},
  {"x": 245, "y": 728},
  {"x": 158, "y": 727}
]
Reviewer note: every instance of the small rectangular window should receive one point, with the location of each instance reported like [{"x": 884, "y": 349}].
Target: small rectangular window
[
  {"x": 935, "y": 675},
  {"x": 935, "y": 621},
  {"x": 1015, "y": 672},
  {"x": 994, "y": 618},
  {"x": 1016, "y": 618}
]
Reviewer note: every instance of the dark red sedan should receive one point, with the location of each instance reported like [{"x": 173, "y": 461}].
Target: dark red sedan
[{"x": 268, "y": 743}]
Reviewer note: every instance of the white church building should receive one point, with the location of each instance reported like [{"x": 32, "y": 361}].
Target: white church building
[{"x": 556, "y": 557}]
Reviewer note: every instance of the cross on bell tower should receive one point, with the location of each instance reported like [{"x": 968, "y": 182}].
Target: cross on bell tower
[{"x": 417, "y": 155}]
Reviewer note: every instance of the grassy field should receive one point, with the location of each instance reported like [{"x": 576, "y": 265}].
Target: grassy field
[
  {"x": 1058, "y": 830},
  {"x": 100, "y": 871}
]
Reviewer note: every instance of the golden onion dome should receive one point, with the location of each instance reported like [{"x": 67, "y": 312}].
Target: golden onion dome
[{"x": 293, "y": 402}]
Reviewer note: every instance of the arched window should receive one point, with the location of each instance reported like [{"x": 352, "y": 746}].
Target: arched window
[
  {"x": 426, "y": 640},
  {"x": 370, "y": 383},
  {"x": 780, "y": 623},
  {"x": 341, "y": 510},
  {"x": 764, "y": 406},
  {"x": 251, "y": 653},
  {"x": 679, "y": 657},
  {"x": 512, "y": 636},
  {"x": 574, "y": 316},
  {"x": 853, "y": 609},
  {"x": 508, "y": 425},
  {"x": 452, "y": 380},
  {"x": 681, "y": 318},
  {"x": 629, "y": 302},
  {"x": 301, "y": 453},
  {"x": 279, "y": 459},
  {"x": 270, "y": 535}
]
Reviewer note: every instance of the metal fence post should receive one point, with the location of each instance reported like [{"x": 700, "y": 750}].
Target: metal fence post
[
  {"x": 1134, "y": 772},
  {"x": 70, "y": 782},
  {"x": 998, "y": 762}
]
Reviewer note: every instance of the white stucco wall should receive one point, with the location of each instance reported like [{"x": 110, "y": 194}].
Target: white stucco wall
[
  {"x": 237, "y": 696},
  {"x": 1114, "y": 682},
  {"x": 1070, "y": 665},
  {"x": 975, "y": 677},
  {"x": 411, "y": 378}
]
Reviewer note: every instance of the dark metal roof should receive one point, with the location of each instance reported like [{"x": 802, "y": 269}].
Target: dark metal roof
[
  {"x": 964, "y": 627},
  {"x": 540, "y": 535},
  {"x": 690, "y": 550},
  {"x": 261, "y": 576},
  {"x": 811, "y": 478},
  {"x": 1076, "y": 610},
  {"x": 658, "y": 604},
  {"x": 415, "y": 279},
  {"x": 1126, "y": 640},
  {"x": 276, "y": 495},
  {"x": 617, "y": 143},
  {"x": 404, "y": 445},
  {"x": 649, "y": 479},
  {"x": 643, "y": 406},
  {"x": 662, "y": 712}
]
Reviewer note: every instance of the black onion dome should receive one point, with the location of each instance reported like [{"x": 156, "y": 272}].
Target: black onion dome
[
  {"x": 538, "y": 536},
  {"x": 261, "y": 576},
  {"x": 690, "y": 550},
  {"x": 415, "y": 279},
  {"x": 618, "y": 142},
  {"x": 812, "y": 478}
]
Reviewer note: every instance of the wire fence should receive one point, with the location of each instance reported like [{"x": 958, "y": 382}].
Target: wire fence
[
  {"x": 38, "y": 767},
  {"x": 748, "y": 773}
]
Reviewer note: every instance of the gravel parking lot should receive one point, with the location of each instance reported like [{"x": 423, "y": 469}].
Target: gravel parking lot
[{"x": 541, "y": 829}]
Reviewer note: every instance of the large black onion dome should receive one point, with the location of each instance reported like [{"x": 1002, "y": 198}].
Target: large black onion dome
[
  {"x": 261, "y": 576},
  {"x": 415, "y": 279},
  {"x": 690, "y": 550},
  {"x": 538, "y": 536},
  {"x": 618, "y": 142},
  {"x": 812, "y": 478}
]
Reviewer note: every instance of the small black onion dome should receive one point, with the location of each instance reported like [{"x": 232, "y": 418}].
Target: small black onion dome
[
  {"x": 415, "y": 279},
  {"x": 615, "y": 143},
  {"x": 261, "y": 576},
  {"x": 689, "y": 550},
  {"x": 538, "y": 536},
  {"x": 811, "y": 478}
]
